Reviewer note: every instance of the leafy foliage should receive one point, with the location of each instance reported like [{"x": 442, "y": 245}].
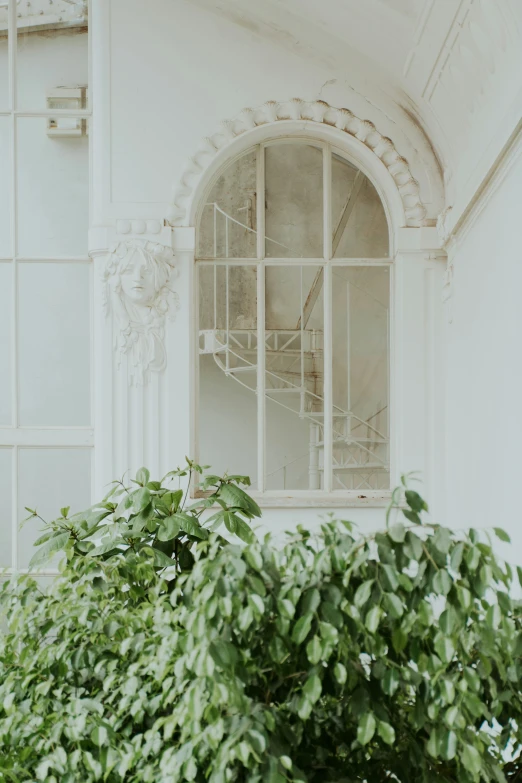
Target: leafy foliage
[
  {"x": 395, "y": 656},
  {"x": 150, "y": 519}
]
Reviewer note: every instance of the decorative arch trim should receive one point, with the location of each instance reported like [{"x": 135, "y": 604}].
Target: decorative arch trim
[{"x": 318, "y": 112}]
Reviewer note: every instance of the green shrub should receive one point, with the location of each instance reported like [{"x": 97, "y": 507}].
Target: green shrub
[{"x": 337, "y": 657}]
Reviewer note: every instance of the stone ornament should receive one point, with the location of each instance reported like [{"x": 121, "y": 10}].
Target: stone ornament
[
  {"x": 313, "y": 112},
  {"x": 137, "y": 281}
]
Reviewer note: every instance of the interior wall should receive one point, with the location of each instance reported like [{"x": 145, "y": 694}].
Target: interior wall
[{"x": 484, "y": 392}]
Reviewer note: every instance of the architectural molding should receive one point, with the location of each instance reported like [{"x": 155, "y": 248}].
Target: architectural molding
[
  {"x": 317, "y": 112},
  {"x": 137, "y": 291},
  {"x": 454, "y": 224}
]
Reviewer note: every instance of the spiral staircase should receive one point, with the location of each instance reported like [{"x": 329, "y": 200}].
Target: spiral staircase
[{"x": 293, "y": 379}]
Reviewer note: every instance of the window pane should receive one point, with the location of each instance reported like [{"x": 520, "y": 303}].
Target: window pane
[
  {"x": 50, "y": 479},
  {"x": 6, "y": 296},
  {"x": 359, "y": 225},
  {"x": 52, "y": 56},
  {"x": 294, "y": 376},
  {"x": 228, "y": 227},
  {"x": 6, "y": 524},
  {"x": 294, "y": 201},
  {"x": 360, "y": 313},
  {"x": 227, "y": 369},
  {"x": 5, "y": 187},
  {"x": 53, "y": 196},
  {"x": 54, "y": 344}
]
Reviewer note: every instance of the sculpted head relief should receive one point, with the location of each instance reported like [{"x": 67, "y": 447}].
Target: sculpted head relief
[{"x": 137, "y": 277}]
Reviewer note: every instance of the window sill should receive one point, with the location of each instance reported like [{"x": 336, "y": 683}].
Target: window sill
[{"x": 312, "y": 499}]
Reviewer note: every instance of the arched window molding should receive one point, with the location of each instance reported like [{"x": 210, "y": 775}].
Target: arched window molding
[{"x": 374, "y": 153}]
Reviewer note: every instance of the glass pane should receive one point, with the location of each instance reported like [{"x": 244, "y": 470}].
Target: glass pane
[
  {"x": 360, "y": 314},
  {"x": 228, "y": 228},
  {"x": 48, "y": 480},
  {"x": 294, "y": 201},
  {"x": 54, "y": 344},
  {"x": 6, "y": 522},
  {"x": 294, "y": 367},
  {"x": 6, "y": 296},
  {"x": 53, "y": 195},
  {"x": 52, "y": 56},
  {"x": 359, "y": 225},
  {"x": 227, "y": 369},
  {"x": 5, "y": 188}
]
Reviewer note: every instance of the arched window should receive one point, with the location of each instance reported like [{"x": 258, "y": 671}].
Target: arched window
[{"x": 293, "y": 289}]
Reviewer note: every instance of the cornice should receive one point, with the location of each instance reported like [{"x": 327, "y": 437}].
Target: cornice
[{"x": 318, "y": 112}]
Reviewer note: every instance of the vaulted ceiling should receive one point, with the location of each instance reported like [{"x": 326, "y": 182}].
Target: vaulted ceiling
[{"x": 454, "y": 67}]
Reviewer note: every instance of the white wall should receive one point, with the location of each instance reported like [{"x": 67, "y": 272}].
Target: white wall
[
  {"x": 484, "y": 392},
  {"x": 166, "y": 73}
]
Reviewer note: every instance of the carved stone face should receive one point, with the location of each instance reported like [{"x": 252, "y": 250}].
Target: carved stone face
[{"x": 137, "y": 279}]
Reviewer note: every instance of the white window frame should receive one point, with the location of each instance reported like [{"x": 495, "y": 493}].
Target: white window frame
[
  {"x": 328, "y": 496},
  {"x": 13, "y": 437}
]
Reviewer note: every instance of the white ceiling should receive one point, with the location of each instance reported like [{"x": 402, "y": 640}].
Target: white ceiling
[{"x": 381, "y": 29}]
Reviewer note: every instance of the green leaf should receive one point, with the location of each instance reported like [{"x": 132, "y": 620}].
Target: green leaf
[
  {"x": 390, "y": 577},
  {"x": 65, "y": 511},
  {"x": 471, "y": 760},
  {"x": 235, "y": 497},
  {"x": 442, "y": 582},
  {"x": 254, "y": 558},
  {"x": 390, "y": 682},
  {"x": 472, "y": 558},
  {"x": 331, "y": 614},
  {"x": 442, "y": 540},
  {"x": 397, "y": 533},
  {"x": 340, "y": 673},
  {"x": 48, "y": 549},
  {"x": 46, "y": 536},
  {"x": 415, "y": 544},
  {"x": 445, "y": 649},
  {"x": 312, "y": 688},
  {"x": 448, "y": 745},
  {"x": 310, "y": 601},
  {"x": 191, "y": 526},
  {"x": 363, "y": 593},
  {"x": 447, "y": 690},
  {"x": 502, "y": 535},
  {"x": 302, "y": 628},
  {"x": 366, "y": 728},
  {"x": 386, "y": 732},
  {"x": 168, "y": 528},
  {"x": 494, "y": 616},
  {"x": 415, "y": 502},
  {"x": 448, "y": 621},
  {"x": 140, "y": 499},
  {"x": 394, "y": 605},
  {"x": 99, "y": 736},
  {"x": 399, "y": 640},
  {"x": 142, "y": 476},
  {"x": 224, "y": 653},
  {"x": 244, "y": 531},
  {"x": 314, "y": 650},
  {"x": 373, "y": 618},
  {"x": 161, "y": 560},
  {"x": 456, "y": 556},
  {"x": 171, "y": 500}
]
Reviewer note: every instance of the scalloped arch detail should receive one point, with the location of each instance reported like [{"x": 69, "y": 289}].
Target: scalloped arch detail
[{"x": 311, "y": 111}]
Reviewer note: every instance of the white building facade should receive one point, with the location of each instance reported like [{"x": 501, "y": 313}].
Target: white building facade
[{"x": 280, "y": 237}]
